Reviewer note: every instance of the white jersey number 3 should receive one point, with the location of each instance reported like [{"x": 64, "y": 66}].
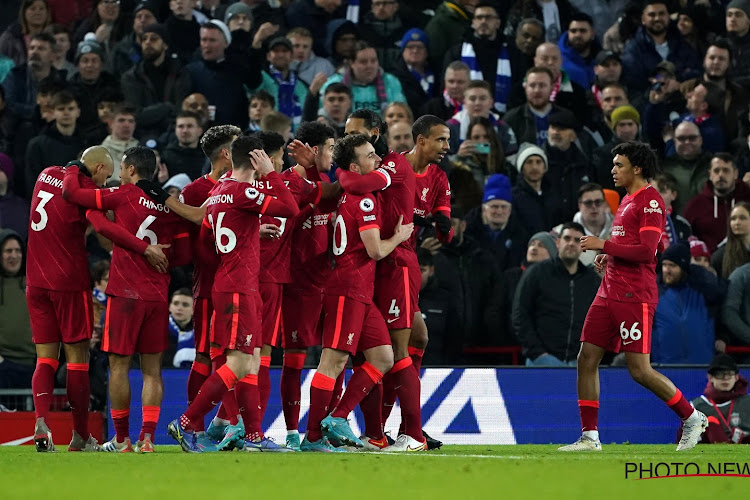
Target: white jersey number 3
[{"x": 43, "y": 217}]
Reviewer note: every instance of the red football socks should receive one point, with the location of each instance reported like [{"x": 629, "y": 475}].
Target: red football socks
[
  {"x": 389, "y": 395},
  {"x": 338, "y": 389},
  {"x": 589, "y": 414},
  {"x": 208, "y": 397},
  {"x": 416, "y": 358},
  {"x": 248, "y": 399},
  {"x": 321, "y": 389},
  {"x": 79, "y": 392},
  {"x": 42, "y": 385},
  {"x": 150, "y": 419},
  {"x": 121, "y": 422},
  {"x": 361, "y": 383},
  {"x": 680, "y": 405},
  {"x": 199, "y": 373},
  {"x": 291, "y": 390},
  {"x": 264, "y": 383},
  {"x": 371, "y": 406},
  {"x": 408, "y": 392}
]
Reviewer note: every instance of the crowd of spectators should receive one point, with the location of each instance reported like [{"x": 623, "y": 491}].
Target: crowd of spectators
[{"x": 535, "y": 93}]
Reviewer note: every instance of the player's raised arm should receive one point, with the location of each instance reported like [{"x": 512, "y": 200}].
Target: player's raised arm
[
  {"x": 282, "y": 206},
  {"x": 378, "y": 249},
  {"x": 187, "y": 212}
]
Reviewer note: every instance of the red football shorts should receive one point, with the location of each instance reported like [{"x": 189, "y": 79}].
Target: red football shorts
[
  {"x": 397, "y": 292},
  {"x": 271, "y": 295},
  {"x": 134, "y": 325},
  {"x": 65, "y": 317},
  {"x": 302, "y": 319},
  {"x": 203, "y": 309},
  {"x": 236, "y": 323},
  {"x": 350, "y": 325},
  {"x": 619, "y": 326}
]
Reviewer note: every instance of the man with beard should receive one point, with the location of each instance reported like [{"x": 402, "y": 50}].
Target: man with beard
[
  {"x": 707, "y": 212},
  {"x": 653, "y": 43},
  {"x": 725, "y": 402},
  {"x": 369, "y": 123},
  {"x": 579, "y": 47},
  {"x": 551, "y": 303},
  {"x": 738, "y": 31},
  {"x": 689, "y": 164},
  {"x": 715, "y": 68},
  {"x": 156, "y": 85},
  {"x": 400, "y": 138}
]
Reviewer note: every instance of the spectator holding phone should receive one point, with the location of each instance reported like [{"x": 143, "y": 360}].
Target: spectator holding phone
[{"x": 482, "y": 152}]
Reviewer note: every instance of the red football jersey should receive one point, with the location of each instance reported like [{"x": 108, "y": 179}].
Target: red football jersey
[
  {"x": 639, "y": 217},
  {"x": 56, "y": 258},
  {"x": 233, "y": 211},
  {"x": 205, "y": 259},
  {"x": 130, "y": 275},
  {"x": 275, "y": 254},
  {"x": 433, "y": 195},
  {"x": 397, "y": 181},
  {"x": 353, "y": 273}
]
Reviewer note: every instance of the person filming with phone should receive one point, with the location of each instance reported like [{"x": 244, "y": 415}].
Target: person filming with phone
[{"x": 482, "y": 152}]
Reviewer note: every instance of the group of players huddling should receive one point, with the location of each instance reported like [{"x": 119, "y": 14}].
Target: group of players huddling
[{"x": 288, "y": 259}]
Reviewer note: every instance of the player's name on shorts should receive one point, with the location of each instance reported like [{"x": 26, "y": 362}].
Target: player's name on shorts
[
  {"x": 48, "y": 179},
  {"x": 220, "y": 198},
  {"x": 618, "y": 231},
  {"x": 152, "y": 205}
]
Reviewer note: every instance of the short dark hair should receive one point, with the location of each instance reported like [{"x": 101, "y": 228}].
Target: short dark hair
[
  {"x": 531, "y": 20},
  {"x": 189, "y": 114},
  {"x": 314, "y": 133},
  {"x": 143, "y": 159},
  {"x": 98, "y": 270},
  {"x": 272, "y": 141},
  {"x": 44, "y": 37},
  {"x": 181, "y": 291},
  {"x": 424, "y": 257},
  {"x": 263, "y": 95},
  {"x": 713, "y": 97},
  {"x": 338, "y": 88},
  {"x": 62, "y": 98},
  {"x": 721, "y": 42},
  {"x": 616, "y": 85},
  {"x": 124, "y": 108},
  {"x": 667, "y": 181},
  {"x": 343, "y": 150},
  {"x": 217, "y": 138},
  {"x": 540, "y": 69},
  {"x": 639, "y": 154},
  {"x": 371, "y": 119},
  {"x": 424, "y": 124},
  {"x": 646, "y": 3},
  {"x": 479, "y": 84},
  {"x": 726, "y": 158},
  {"x": 581, "y": 17},
  {"x": 572, "y": 225},
  {"x": 589, "y": 187},
  {"x": 49, "y": 86},
  {"x": 241, "y": 148}
]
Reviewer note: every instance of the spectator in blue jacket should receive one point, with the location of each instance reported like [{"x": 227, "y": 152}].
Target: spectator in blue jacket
[
  {"x": 656, "y": 41},
  {"x": 683, "y": 331},
  {"x": 579, "y": 47}
]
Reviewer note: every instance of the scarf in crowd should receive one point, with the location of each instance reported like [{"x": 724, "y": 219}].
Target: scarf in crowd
[
  {"x": 463, "y": 119},
  {"x": 561, "y": 84},
  {"x": 502, "y": 74},
  {"x": 378, "y": 83},
  {"x": 352, "y": 11},
  {"x": 597, "y": 93},
  {"x": 185, "y": 353},
  {"x": 449, "y": 101},
  {"x": 669, "y": 233},
  {"x": 426, "y": 80},
  {"x": 287, "y": 103}
]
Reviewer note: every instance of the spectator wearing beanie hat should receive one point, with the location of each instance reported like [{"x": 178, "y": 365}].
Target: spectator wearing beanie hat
[
  {"x": 413, "y": 69},
  {"x": 495, "y": 226},
  {"x": 683, "y": 331},
  {"x": 568, "y": 166},
  {"x": 127, "y": 52},
  {"x": 535, "y": 204},
  {"x": 551, "y": 303},
  {"x": 699, "y": 253},
  {"x": 14, "y": 210},
  {"x": 239, "y": 16},
  {"x": 90, "y": 84},
  {"x": 626, "y": 125},
  {"x": 738, "y": 32}
]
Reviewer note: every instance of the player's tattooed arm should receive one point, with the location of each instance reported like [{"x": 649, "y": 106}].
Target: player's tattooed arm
[{"x": 378, "y": 249}]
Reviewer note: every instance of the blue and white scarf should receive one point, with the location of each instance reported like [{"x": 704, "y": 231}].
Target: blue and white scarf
[
  {"x": 185, "y": 354},
  {"x": 502, "y": 75},
  {"x": 287, "y": 99},
  {"x": 352, "y": 11},
  {"x": 426, "y": 80}
]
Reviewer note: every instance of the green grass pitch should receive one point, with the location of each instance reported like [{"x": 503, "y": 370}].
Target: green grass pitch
[{"x": 454, "y": 472}]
